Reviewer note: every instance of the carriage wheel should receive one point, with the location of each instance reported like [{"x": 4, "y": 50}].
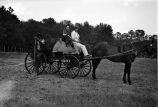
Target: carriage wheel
[
  {"x": 85, "y": 68},
  {"x": 53, "y": 67},
  {"x": 30, "y": 63},
  {"x": 69, "y": 66}
]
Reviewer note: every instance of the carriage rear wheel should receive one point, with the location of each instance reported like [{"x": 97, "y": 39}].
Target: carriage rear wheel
[
  {"x": 69, "y": 66},
  {"x": 35, "y": 64},
  {"x": 85, "y": 68},
  {"x": 53, "y": 67}
]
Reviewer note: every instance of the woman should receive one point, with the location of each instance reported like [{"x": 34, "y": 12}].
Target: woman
[{"x": 76, "y": 41}]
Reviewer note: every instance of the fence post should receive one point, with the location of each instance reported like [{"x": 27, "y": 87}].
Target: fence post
[{"x": 4, "y": 48}]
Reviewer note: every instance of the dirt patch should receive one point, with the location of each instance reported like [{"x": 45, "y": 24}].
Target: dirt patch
[{"x": 6, "y": 87}]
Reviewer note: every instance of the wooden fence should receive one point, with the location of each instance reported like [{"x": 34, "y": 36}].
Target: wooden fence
[{"x": 7, "y": 48}]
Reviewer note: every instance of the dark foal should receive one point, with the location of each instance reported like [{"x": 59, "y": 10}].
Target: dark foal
[{"x": 104, "y": 49}]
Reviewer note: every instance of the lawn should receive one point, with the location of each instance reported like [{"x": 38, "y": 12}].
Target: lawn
[{"x": 47, "y": 90}]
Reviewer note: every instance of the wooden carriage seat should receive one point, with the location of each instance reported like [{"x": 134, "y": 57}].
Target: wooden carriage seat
[{"x": 60, "y": 46}]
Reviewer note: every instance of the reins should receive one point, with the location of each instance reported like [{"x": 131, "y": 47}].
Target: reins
[
  {"x": 104, "y": 57},
  {"x": 142, "y": 48},
  {"x": 114, "y": 55}
]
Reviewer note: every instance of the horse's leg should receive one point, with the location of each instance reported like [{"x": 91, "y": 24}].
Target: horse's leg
[
  {"x": 128, "y": 71},
  {"x": 95, "y": 63},
  {"x": 124, "y": 75}
]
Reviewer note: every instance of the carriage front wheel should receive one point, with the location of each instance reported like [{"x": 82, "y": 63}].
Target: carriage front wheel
[
  {"x": 35, "y": 64},
  {"x": 69, "y": 66},
  {"x": 85, "y": 68}
]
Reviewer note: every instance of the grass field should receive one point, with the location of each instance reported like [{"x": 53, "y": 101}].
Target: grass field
[{"x": 20, "y": 89}]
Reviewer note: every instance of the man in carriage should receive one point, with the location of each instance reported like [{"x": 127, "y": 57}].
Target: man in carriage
[{"x": 70, "y": 43}]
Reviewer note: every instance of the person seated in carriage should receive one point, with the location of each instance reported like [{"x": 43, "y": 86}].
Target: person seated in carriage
[
  {"x": 71, "y": 43},
  {"x": 66, "y": 32},
  {"x": 76, "y": 42}
]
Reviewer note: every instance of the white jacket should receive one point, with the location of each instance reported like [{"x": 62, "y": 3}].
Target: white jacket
[{"x": 75, "y": 36}]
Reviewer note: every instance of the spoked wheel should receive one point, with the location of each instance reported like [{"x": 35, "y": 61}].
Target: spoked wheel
[
  {"x": 35, "y": 65},
  {"x": 53, "y": 67},
  {"x": 69, "y": 66},
  {"x": 85, "y": 68}
]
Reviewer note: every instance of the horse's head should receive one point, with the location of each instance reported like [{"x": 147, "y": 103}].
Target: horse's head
[
  {"x": 124, "y": 46},
  {"x": 141, "y": 47}
]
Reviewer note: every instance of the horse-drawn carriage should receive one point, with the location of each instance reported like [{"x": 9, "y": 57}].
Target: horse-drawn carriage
[{"x": 42, "y": 59}]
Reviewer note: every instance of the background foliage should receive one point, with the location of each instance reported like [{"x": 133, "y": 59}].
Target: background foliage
[{"x": 19, "y": 34}]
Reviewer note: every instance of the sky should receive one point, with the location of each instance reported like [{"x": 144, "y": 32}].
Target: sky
[{"x": 122, "y": 15}]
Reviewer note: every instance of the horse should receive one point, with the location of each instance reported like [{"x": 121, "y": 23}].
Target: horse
[{"x": 125, "y": 53}]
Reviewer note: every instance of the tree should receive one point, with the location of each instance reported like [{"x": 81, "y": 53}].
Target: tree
[
  {"x": 118, "y": 35},
  {"x": 49, "y": 21},
  {"x": 10, "y": 9},
  {"x": 66, "y": 22},
  {"x": 104, "y": 32},
  {"x": 125, "y": 36},
  {"x": 132, "y": 34},
  {"x": 140, "y": 34},
  {"x": 8, "y": 23},
  {"x": 85, "y": 32},
  {"x": 78, "y": 24}
]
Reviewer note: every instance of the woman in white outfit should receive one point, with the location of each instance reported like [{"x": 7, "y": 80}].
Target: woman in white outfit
[{"x": 76, "y": 41}]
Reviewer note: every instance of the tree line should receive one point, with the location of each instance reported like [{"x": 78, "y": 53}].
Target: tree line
[
  {"x": 14, "y": 32},
  {"x": 19, "y": 35}
]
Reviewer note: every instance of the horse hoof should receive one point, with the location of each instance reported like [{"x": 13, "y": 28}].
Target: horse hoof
[
  {"x": 94, "y": 78},
  {"x": 125, "y": 82},
  {"x": 130, "y": 83}
]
